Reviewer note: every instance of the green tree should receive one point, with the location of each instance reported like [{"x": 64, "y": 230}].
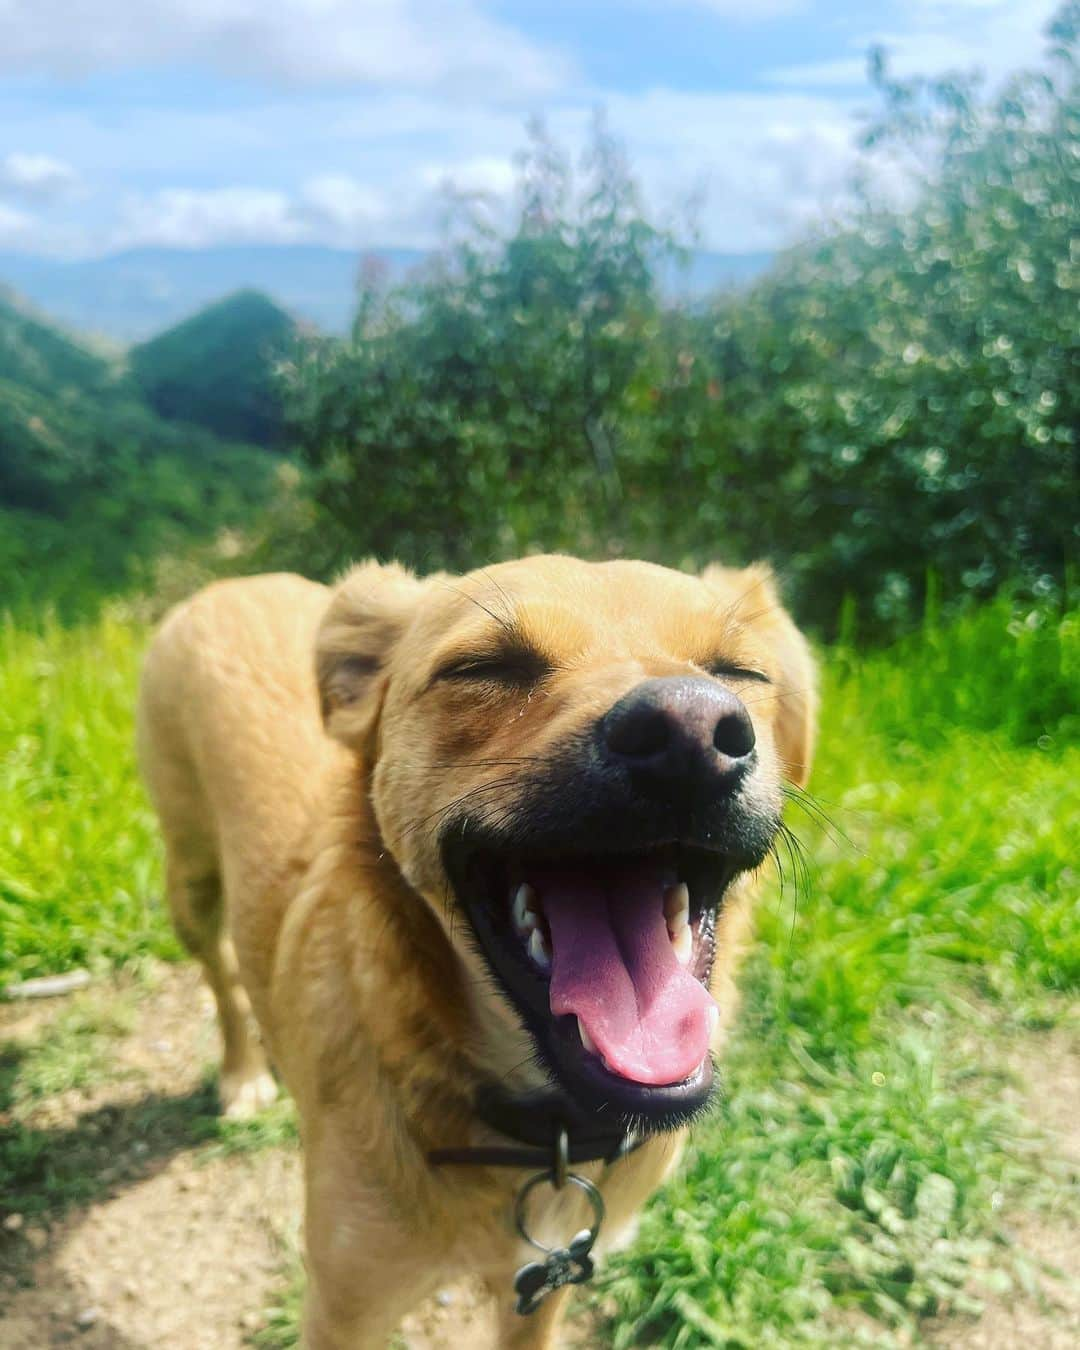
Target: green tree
[
  {"x": 915, "y": 380},
  {"x": 489, "y": 407},
  {"x": 895, "y": 400}
]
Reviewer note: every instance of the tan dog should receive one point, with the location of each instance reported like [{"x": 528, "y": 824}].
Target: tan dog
[{"x": 489, "y": 905}]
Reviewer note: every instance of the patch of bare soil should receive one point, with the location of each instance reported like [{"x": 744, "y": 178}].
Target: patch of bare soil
[
  {"x": 1044, "y": 1315},
  {"x": 459, "y": 1318},
  {"x": 174, "y": 1248},
  {"x": 177, "y": 1248},
  {"x": 186, "y": 1258}
]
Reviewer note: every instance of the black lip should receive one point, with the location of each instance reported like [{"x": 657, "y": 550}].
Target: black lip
[{"x": 479, "y": 873}]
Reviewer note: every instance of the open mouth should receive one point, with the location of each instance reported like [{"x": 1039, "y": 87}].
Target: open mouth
[{"x": 607, "y": 957}]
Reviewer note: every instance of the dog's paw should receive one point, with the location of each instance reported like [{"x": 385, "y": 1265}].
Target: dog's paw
[{"x": 244, "y": 1096}]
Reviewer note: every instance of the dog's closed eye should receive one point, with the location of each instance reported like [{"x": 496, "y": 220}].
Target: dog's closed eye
[
  {"x": 519, "y": 666},
  {"x": 729, "y": 670}
]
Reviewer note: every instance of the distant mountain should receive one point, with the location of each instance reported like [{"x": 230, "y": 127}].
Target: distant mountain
[
  {"x": 131, "y": 296},
  {"x": 217, "y": 369}
]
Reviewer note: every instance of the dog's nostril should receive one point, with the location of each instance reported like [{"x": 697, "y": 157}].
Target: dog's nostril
[
  {"x": 734, "y": 734},
  {"x": 638, "y": 732}
]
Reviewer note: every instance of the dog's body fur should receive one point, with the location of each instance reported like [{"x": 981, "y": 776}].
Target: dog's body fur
[{"x": 301, "y": 874}]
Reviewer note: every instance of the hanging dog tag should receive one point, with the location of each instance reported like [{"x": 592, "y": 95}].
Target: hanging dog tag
[
  {"x": 564, "y": 1265},
  {"x": 561, "y": 1266}
]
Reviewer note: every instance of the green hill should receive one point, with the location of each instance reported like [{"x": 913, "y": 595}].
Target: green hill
[
  {"x": 39, "y": 356},
  {"x": 59, "y": 401},
  {"x": 92, "y": 480},
  {"x": 217, "y": 369}
]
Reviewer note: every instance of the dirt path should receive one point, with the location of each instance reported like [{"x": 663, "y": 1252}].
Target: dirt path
[
  {"x": 1046, "y": 1316},
  {"x": 178, "y": 1249},
  {"x": 176, "y": 1244},
  {"x": 181, "y": 1248}
]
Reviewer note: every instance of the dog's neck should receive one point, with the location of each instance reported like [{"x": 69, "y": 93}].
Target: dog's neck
[{"x": 536, "y": 1122}]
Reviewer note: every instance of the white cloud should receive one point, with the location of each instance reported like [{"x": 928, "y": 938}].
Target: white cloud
[
  {"x": 191, "y": 218},
  {"x": 16, "y": 227},
  {"x": 821, "y": 74},
  {"x": 487, "y": 175},
  {"x": 36, "y": 178},
  {"x": 364, "y": 166},
  {"x": 329, "y": 209},
  {"x": 993, "y": 36},
  {"x": 336, "y": 201},
  {"x": 431, "y": 44},
  {"x": 768, "y": 165}
]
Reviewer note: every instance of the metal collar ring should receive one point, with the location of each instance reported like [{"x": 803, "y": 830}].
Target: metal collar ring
[{"x": 572, "y": 1179}]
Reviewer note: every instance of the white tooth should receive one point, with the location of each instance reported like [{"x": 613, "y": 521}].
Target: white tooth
[
  {"x": 538, "y": 950},
  {"x": 586, "y": 1040},
  {"x": 712, "y": 1018},
  {"x": 524, "y": 909},
  {"x": 677, "y": 907},
  {"x": 683, "y": 942}
]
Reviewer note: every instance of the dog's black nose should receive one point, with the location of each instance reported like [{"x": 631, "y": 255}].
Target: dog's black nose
[{"x": 680, "y": 730}]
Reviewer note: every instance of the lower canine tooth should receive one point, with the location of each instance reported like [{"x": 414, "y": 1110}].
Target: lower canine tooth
[
  {"x": 586, "y": 1040},
  {"x": 538, "y": 950},
  {"x": 683, "y": 942}
]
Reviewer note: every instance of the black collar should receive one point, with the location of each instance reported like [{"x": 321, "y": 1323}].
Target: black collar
[{"x": 535, "y": 1122}]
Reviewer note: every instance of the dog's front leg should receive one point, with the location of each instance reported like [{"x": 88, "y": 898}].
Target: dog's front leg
[
  {"x": 366, "y": 1269},
  {"x": 329, "y": 1327},
  {"x": 360, "y": 1312}
]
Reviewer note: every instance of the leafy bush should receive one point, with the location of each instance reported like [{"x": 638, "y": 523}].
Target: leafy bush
[
  {"x": 898, "y": 398},
  {"x": 913, "y": 384},
  {"x": 487, "y": 409}
]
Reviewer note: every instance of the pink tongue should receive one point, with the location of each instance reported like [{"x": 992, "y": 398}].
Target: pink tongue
[{"x": 613, "y": 967}]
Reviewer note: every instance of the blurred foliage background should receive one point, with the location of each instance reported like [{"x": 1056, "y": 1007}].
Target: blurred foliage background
[
  {"x": 897, "y": 398},
  {"x": 894, "y": 406}
]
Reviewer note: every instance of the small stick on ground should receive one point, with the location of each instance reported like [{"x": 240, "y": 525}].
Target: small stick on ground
[{"x": 48, "y": 986}]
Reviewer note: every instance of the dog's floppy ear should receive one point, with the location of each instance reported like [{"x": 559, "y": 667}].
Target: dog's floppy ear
[
  {"x": 370, "y": 609},
  {"x": 755, "y": 602}
]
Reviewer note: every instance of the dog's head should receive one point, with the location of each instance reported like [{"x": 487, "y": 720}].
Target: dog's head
[{"x": 573, "y": 763}]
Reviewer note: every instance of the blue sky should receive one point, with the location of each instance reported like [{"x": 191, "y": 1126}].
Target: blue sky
[{"x": 193, "y": 123}]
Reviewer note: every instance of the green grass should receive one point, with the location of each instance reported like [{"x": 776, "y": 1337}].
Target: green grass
[
  {"x": 77, "y": 1052},
  {"x": 79, "y": 865},
  {"x": 860, "y": 1168}
]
